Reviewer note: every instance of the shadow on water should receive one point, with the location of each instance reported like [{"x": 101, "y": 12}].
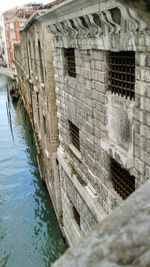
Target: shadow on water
[{"x": 29, "y": 231}]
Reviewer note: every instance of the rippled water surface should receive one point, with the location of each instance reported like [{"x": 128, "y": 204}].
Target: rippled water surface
[{"x": 29, "y": 232}]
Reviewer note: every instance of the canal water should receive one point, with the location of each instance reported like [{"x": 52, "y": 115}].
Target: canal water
[{"x": 29, "y": 231}]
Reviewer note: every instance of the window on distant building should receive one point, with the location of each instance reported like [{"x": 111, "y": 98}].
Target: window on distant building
[
  {"x": 11, "y": 25},
  {"x": 122, "y": 73},
  {"x": 70, "y": 61},
  {"x": 30, "y": 56},
  {"x": 76, "y": 216},
  {"x": 35, "y": 61},
  {"x": 12, "y": 34},
  {"x": 21, "y": 24},
  {"x": 20, "y": 13},
  {"x": 74, "y": 134},
  {"x": 123, "y": 182}
]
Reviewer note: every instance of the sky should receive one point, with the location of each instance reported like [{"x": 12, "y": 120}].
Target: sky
[{"x": 7, "y": 4}]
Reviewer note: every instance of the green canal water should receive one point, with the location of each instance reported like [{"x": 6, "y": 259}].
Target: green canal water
[{"x": 29, "y": 231}]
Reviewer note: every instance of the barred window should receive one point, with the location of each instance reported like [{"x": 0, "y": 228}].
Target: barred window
[
  {"x": 122, "y": 73},
  {"x": 76, "y": 216},
  {"x": 123, "y": 182},
  {"x": 74, "y": 134},
  {"x": 70, "y": 61}
]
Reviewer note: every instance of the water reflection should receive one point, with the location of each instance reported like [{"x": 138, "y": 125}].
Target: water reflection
[{"x": 29, "y": 232}]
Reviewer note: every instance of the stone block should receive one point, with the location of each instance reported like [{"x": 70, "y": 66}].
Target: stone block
[
  {"x": 145, "y": 157},
  {"x": 138, "y": 73},
  {"x": 107, "y": 209},
  {"x": 140, "y": 166},
  {"x": 99, "y": 76},
  {"x": 147, "y": 172},
  {"x": 136, "y": 151},
  {"x": 98, "y": 86},
  {"x": 144, "y": 104},
  {"x": 89, "y": 128},
  {"x": 145, "y": 75},
  {"x": 147, "y": 145},
  {"x": 98, "y": 55},
  {"x": 137, "y": 127},
  {"x": 140, "y": 59},
  {"x": 98, "y": 96},
  {"x": 145, "y": 130}
]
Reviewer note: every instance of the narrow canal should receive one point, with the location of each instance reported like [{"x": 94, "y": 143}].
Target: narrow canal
[{"x": 29, "y": 232}]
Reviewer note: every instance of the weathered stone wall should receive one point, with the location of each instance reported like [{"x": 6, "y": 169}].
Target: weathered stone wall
[
  {"x": 120, "y": 240},
  {"x": 141, "y": 117},
  {"x": 83, "y": 102},
  {"x": 75, "y": 194},
  {"x": 108, "y": 123},
  {"x": 111, "y": 126},
  {"x": 35, "y": 72}
]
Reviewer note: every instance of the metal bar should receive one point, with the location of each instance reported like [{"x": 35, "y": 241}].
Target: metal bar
[
  {"x": 74, "y": 133},
  {"x": 122, "y": 73},
  {"x": 123, "y": 182}
]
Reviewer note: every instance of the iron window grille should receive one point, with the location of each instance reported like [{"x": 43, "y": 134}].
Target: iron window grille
[
  {"x": 123, "y": 182},
  {"x": 122, "y": 73},
  {"x": 70, "y": 61},
  {"x": 74, "y": 134},
  {"x": 76, "y": 216}
]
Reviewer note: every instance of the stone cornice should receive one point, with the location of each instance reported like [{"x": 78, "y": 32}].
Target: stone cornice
[{"x": 94, "y": 24}]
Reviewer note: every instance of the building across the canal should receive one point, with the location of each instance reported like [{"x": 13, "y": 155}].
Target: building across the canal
[
  {"x": 84, "y": 74},
  {"x": 12, "y": 21}
]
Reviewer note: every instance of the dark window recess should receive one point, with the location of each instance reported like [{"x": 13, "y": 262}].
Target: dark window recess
[
  {"x": 35, "y": 61},
  {"x": 70, "y": 62},
  {"x": 30, "y": 55},
  {"x": 123, "y": 182},
  {"x": 44, "y": 124},
  {"x": 41, "y": 62},
  {"x": 122, "y": 73},
  {"x": 76, "y": 216},
  {"x": 74, "y": 134},
  {"x": 38, "y": 106}
]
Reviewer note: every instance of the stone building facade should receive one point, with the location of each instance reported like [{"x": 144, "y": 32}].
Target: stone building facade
[
  {"x": 102, "y": 78},
  {"x": 34, "y": 64},
  {"x": 12, "y": 21}
]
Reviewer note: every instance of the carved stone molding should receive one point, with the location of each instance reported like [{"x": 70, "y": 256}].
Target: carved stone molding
[{"x": 100, "y": 23}]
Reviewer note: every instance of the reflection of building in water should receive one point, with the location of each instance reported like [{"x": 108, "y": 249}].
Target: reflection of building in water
[{"x": 12, "y": 21}]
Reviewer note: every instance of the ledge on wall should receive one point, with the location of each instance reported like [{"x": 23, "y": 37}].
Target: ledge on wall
[
  {"x": 75, "y": 151},
  {"x": 122, "y": 239},
  {"x": 117, "y": 153}
]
